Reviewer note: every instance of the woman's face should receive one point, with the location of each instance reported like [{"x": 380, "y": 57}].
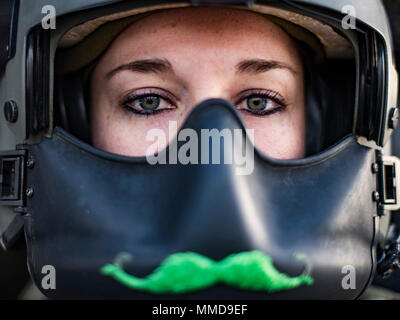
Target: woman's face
[{"x": 158, "y": 69}]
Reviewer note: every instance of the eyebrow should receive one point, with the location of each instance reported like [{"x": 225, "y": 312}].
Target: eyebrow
[
  {"x": 143, "y": 66},
  {"x": 261, "y": 65},
  {"x": 163, "y": 65}
]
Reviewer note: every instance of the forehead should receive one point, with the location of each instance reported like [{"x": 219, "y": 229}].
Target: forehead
[
  {"x": 216, "y": 31},
  {"x": 205, "y": 19}
]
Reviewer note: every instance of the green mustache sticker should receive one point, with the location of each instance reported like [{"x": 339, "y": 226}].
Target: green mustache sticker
[{"x": 189, "y": 271}]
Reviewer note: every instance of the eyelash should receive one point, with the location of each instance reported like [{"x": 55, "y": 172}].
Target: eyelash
[
  {"x": 261, "y": 93},
  {"x": 143, "y": 93}
]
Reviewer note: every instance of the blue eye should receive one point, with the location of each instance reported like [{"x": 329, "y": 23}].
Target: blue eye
[
  {"x": 261, "y": 102},
  {"x": 149, "y": 102},
  {"x": 257, "y": 103},
  {"x": 146, "y": 102}
]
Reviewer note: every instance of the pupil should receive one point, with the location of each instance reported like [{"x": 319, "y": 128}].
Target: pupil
[
  {"x": 256, "y": 103},
  {"x": 150, "y": 102}
]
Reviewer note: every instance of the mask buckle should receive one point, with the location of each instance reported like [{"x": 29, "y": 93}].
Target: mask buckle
[
  {"x": 12, "y": 167},
  {"x": 389, "y": 182},
  {"x": 11, "y": 177}
]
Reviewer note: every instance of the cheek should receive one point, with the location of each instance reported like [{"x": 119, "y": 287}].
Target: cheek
[
  {"x": 281, "y": 135},
  {"x": 127, "y": 134}
]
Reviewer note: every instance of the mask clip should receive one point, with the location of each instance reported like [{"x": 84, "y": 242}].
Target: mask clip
[
  {"x": 388, "y": 182},
  {"x": 12, "y": 167},
  {"x": 11, "y": 177}
]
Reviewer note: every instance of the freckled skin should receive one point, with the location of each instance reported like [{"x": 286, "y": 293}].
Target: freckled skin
[{"x": 203, "y": 46}]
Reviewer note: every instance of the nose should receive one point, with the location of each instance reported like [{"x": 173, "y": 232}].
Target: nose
[{"x": 210, "y": 84}]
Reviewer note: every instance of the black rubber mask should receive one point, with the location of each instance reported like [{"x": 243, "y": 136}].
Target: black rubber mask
[{"x": 295, "y": 224}]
